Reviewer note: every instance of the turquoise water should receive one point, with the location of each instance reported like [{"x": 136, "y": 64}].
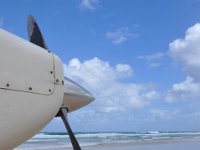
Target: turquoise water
[{"x": 46, "y": 140}]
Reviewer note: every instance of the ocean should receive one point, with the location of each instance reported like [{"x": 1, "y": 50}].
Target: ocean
[{"x": 55, "y": 140}]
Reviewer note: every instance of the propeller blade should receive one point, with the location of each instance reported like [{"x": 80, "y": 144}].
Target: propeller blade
[
  {"x": 63, "y": 114},
  {"x": 34, "y": 33}
]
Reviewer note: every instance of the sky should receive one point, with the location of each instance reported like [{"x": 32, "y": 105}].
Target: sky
[{"x": 139, "y": 58}]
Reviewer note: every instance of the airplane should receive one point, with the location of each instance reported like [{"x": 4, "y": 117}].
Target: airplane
[{"x": 33, "y": 89}]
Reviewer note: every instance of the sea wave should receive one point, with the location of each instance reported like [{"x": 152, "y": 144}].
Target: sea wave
[
  {"x": 52, "y": 140},
  {"x": 117, "y": 135}
]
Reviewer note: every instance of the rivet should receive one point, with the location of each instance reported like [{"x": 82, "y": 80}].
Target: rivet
[
  {"x": 62, "y": 82},
  {"x": 57, "y": 80},
  {"x": 7, "y": 85},
  {"x": 49, "y": 90},
  {"x": 30, "y": 88},
  {"x": 51, "y": 72}
]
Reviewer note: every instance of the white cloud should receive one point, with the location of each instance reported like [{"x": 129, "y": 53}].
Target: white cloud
[
  {"x": 163, "y": 114},
  {"x": 153, "y": 60},
  {"x": 155, "y": 64},
  {"x": 185, "y": 90},
  {"x": 156, "y": 56},
  {"x": 2, "y": 21},
  {"x": 151, "y": 95},
  {"x": 186, "y": 51},
  {"x": 89, "y": 4},
  {"x": 124, "y": 69},
  {"x": 103, "y": 81},
  {"x": 120, "y": 35}
]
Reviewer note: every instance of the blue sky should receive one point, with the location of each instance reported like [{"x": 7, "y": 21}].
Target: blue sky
[{"x": 139, "y": 58}]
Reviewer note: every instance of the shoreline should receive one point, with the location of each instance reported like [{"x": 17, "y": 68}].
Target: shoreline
[{"x": 183, "y": 144}]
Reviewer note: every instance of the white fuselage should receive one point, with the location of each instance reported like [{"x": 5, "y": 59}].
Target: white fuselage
[{"x": 31, "y": 90}]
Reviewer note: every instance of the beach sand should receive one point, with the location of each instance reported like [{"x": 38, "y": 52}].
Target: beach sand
[{"x": 162, "y": 145}]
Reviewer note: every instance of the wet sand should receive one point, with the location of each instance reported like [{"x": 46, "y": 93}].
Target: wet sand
[{"x": 162, "y": 145}]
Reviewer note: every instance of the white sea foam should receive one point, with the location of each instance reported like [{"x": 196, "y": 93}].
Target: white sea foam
[
  {"x": 102, "y": 135},
  {"x": 47, "y": 136},
  {"x": 153, "y": 132}
]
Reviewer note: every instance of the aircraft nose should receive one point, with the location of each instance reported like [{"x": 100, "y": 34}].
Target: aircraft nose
[{"x": 75, "y": 96}]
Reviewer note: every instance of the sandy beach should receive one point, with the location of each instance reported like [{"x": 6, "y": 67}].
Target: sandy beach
[{"x": 186, "y": 144}]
